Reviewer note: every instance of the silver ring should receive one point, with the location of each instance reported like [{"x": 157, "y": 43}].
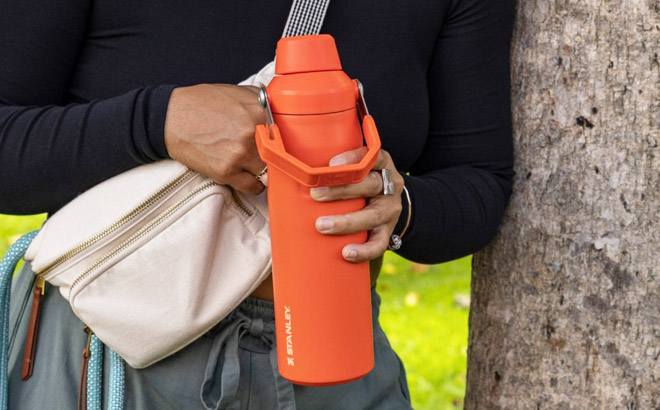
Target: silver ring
[
  {"x": 260, "y": 174},
  {"x": 388, "y": 184},
  {"x": 395, "y": 242}
]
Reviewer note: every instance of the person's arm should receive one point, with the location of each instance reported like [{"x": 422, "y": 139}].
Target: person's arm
[
  {"x": 461, "y": 184},
  {"x": 49, "y": 153}
]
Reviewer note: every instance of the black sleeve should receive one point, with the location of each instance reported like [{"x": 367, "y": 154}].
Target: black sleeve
[
  {"x": 461, "y": 184},
  {"x": 51, "y": 152}
]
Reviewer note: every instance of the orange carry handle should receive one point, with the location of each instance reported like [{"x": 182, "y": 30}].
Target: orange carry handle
[{"x": 272, "y": 151}]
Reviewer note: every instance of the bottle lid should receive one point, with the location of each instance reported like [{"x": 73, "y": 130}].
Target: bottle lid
[{"x": 303, "y": 54}]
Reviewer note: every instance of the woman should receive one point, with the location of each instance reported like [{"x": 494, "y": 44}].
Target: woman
[{"x": 92, "y": 89}]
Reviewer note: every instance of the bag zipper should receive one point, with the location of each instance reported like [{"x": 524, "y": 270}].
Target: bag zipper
[
  {"x": 117, "y": 224},
  {"x": 146, "y": 229},
  {"x": 82, "y": 389},
  {"x": 237, "y": 201},
  {"x": 240, "y": 204}
]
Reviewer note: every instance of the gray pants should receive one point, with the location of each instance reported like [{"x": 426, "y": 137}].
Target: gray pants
[{"x": 233, "y": 366}]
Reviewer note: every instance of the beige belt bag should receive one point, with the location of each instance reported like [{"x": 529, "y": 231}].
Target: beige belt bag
[{"x": 155, "y": 257}]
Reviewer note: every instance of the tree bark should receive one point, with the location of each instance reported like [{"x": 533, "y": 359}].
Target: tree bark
[{"x": 566, "y": 300}]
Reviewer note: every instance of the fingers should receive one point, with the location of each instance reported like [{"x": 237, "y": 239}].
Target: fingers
[
  {"x": 262, "y": 175},
  {"x": 372, "y": 249},
  {"x": 264, "y": 179},
  {"x": 378, "y": 212},
  {"x": 251, "y": 165},
  {"x": 246, "y": 182},
  {"x": 348, "y": 157},
  {"x": 244, "y": 154},
  {"x": 355, "y": 222},
  {"x": 378, "y": 217},
  {"x": 370, "y": 186},
  {"x": 354, "y": 156},
  {"x": 256, "y": 167}
]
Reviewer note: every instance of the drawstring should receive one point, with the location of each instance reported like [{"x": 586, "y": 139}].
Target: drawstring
[
  {"x": 220, "y": 387},
  {"x": 285, "y": 398}
]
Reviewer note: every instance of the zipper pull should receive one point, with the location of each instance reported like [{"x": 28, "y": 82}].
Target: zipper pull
[
  {"x": 82, "y": 386},
  {"x": 33, "y": 329}
]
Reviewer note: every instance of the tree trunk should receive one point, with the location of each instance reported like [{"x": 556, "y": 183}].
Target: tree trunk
[{"x": 566, "y": 300}]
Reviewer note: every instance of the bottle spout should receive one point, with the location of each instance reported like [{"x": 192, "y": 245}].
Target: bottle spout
[{"x": 304, "y": 54}]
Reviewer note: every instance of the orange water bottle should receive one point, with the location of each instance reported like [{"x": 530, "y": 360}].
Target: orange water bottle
[{"x": 322, "y": 302}]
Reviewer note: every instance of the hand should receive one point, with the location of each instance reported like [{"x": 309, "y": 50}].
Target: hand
[
  {"x": 380, "y": 215},
  {"x": 210, "y": 129}
]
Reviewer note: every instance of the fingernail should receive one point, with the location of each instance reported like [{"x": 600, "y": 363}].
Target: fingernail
[
  {"x": 338, "y": 160},
  {"x": 324, "y": 224},
  {"x": 320, "y": 192},
  {"x": 350, "y": 253}
]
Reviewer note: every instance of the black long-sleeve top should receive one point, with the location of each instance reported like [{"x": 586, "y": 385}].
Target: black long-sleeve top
[{"x": 84, "y": 87}]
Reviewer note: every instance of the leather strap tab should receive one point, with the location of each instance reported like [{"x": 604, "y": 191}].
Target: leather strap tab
[
  {"x": 31, "y": 340},
  {"x": 82, "y": 384}
]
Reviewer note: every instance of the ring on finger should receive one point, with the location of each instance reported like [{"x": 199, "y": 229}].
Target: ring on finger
[
  {"x": 394, "y": 243},
  {"x": 261, "y": 173},
  {"x": 388, "y": 183}
]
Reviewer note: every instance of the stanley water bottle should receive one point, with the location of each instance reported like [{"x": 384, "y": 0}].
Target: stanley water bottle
[{"x": 322, "y": 302}]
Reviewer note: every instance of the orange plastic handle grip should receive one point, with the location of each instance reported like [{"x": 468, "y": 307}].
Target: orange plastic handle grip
[{"x": 272, "y": 151}]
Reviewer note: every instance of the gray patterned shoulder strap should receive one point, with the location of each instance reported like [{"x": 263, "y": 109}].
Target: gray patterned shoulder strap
[{"x": 306, "y": 17}]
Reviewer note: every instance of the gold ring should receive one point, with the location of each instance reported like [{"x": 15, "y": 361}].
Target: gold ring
[{"x": 260, "y": 174}]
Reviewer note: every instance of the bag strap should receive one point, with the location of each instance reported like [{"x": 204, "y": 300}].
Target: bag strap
[
  {"x": 305, "y": 17},
  {"x": 7, "y": 267}
]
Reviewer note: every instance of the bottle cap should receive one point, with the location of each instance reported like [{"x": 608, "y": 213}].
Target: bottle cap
[{"x": 303, "y": 54}]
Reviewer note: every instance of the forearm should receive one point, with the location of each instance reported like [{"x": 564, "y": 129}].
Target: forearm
[
  {"x": 50, "y": 154},
  {"x": 455, "y": 212},
  {"x": 461, "y": 183}
]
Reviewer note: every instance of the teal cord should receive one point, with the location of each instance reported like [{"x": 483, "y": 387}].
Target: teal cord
[
  {"x": 117, "y": 382},
  {"x": 7, "y": 267},
  {"x": 95, "y": 371},
  {"x": 95, "y": 378},
  {"x": 95, "y": 375}
]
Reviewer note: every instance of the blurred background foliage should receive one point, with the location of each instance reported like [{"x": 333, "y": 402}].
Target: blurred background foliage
[{"x": 424, "y": 313}]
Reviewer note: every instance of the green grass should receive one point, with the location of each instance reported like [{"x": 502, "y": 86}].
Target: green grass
[
  {"x": 12, "y": 227},
  {"x": 423, "y": 313}
]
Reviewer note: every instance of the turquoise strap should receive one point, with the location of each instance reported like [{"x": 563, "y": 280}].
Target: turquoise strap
[
  {"x": 95, "y": 371},
  {"x": 7, "y": 267},
  {"x": 117, "y": 382},
  {"x": 95, "y": 375},
  {"x": 95, "y": 378}
]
